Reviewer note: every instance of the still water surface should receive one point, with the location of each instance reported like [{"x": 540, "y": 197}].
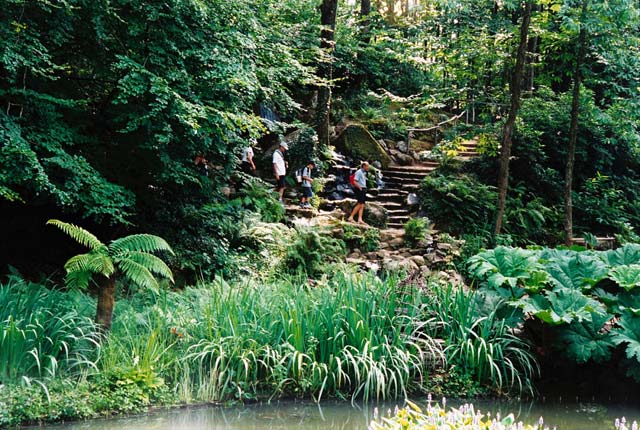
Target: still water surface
[{"x": 344, "y": 416}]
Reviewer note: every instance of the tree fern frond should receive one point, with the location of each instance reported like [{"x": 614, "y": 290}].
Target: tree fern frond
[
  {"x": 78, "y": 263},
  {"x": 94, "y": 262},
  {"x": 78, "y": 279},
  {"x": 138, "y": 274},
  {"x": 79, "y": 234},
  {"x": 139, "y": 242},
  {"x": 150, "y": 261}
]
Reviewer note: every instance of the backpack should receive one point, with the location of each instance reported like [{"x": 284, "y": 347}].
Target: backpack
[
  {"x": 298, "y": 174},
  {"x": 352, "y": 179}
]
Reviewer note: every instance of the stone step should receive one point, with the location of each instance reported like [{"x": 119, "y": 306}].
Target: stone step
[
  {"x": 391, "y": 205},
  {"x": 406, "y": 173},
  {"x": 423, "y": 165},
  {"x": 402, "y": 179},
  {"x": 421, "y": 171},
  {"x": 401, "y": 211},
  {"x": 395, "y": 225},
  {"x": 468, "y": 153},
  {"x": 396, "y": 197}
]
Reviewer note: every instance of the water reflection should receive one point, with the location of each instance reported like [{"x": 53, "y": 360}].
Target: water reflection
[{"x": 344, "y": 416}]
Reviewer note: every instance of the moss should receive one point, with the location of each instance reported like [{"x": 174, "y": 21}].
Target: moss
[{"x": 357, "y": 142}]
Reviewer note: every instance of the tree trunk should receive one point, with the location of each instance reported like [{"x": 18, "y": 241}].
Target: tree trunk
[
  {"x": 573, "y": 130},
  {"x": 365, "y": 11},
  {"x": 106, "y": 300},
  {"x": 507, "y": 132},
  {"x": 328, "y": 12}
]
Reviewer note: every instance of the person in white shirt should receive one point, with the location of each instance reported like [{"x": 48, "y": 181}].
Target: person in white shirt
[
  {"x": 248, "y": 165},
  {"x": 280, "y": 168},
  {"x": 360, "y": 186}
]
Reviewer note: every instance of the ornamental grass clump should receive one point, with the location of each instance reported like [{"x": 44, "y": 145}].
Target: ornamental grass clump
[{"x": 435, "y": 417}]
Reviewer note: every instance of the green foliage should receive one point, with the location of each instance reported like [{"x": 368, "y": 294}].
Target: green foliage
[
  {"x": 586, "y": 340},
  {"x": 415, "y": 230},
  {"x": 480, "y": 341},
  {"x": 131, "y": 255},
  {"x": 460, "y": 204},
  {"x": 310, "y": 251},
  {"x": 257, "y": 197},
  {"x": 587, "y": 300},
  {"x": 43, "y": 333},
  {"x": 366, "y": 240}
]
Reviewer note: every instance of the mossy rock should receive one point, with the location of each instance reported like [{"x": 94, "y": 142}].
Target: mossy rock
[{"x": 356, "y": 141}]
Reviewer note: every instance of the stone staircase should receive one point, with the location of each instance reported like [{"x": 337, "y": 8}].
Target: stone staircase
[{"x": 400, "y": 181}]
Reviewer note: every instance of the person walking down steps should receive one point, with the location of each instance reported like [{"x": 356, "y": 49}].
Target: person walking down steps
[
  {"x": 360, "y": 187},
  {"x": 280, "y": 169},
  {"x": 248, "y": 166},
  {"x": 307, "y": 181}
]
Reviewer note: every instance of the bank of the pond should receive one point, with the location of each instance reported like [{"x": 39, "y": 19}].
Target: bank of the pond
[
  {"x": 348, "y": 335},
  {"x": 287, "y": 415}
]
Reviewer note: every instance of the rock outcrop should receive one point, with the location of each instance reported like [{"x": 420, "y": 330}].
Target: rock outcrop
[{"x": 356, "y": 141}]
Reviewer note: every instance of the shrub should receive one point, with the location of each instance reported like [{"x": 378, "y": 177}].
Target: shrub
[
  {"x": 459, "y": 203},
  {"x": 310, "y": 251},
  {"x": 366, "y": 240},
  {"x": 587, "y": 301},
  {"x": 415, "y": 230}
]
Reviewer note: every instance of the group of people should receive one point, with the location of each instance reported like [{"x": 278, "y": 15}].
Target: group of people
[
  {"x": 280, "y": 170},
  {"x": 280, "y": 167}
]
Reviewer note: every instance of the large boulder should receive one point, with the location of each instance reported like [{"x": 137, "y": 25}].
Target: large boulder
[
  {"x": 356, "y": 141},
  {"x": 374, "y": 214}
]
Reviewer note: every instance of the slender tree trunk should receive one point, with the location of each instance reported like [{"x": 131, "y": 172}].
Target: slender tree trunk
[
  {"x": 106, "y": 300},
  {"x": 328, "y": 12},
  {"x": 365, "y": 11},
  {"x": 573, "y": 129},
  {"x": 507, "y": 132}
]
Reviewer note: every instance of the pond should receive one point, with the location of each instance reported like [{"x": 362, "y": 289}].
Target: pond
[{"x": 344, "y": 416}]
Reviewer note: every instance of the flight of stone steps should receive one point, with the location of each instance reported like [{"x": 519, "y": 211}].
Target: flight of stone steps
[{"x": 400, "y": 181}]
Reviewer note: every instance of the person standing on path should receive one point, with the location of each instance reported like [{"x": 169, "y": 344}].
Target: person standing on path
[
  {"x": 280, "y": 169},
  {"x": 248, "y": 165},
  {"x": 360, "y": 185},
  {"x": 307, "y": 190}
]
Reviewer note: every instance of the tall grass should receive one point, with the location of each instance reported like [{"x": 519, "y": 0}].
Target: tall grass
[
  {"x": 350, "y": 336},
  {"x": 480, "y": 343},
  {"x": 43, "y": 333}
]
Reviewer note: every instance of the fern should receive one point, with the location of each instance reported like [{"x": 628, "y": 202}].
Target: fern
[
  {"x": 138, "y": 274},
  {"x": 130, "y": 255},
  {"x": 151, "y": 262},
  {"x": 139, "y": 242},
  {"x": 80, "y": 235}
]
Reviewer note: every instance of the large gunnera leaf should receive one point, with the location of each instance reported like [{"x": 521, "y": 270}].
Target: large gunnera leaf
[
  {"x": 578, "y": 271},
  {"x": 561, "y": 306},
  {"x": 627, "y": 254},
  {"x": 504, "y": 266},
  {"x": 628, "y": 332},
  {"x": 627, "y": 276},
  {"x": 584, "y": 341}
]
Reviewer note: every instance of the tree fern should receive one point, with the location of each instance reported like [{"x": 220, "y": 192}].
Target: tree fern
[
  {"x": 80, "y": 235},
  {"x": 139, "y": 242},
  {"x": 138, "y": 274},
  {"x": 130, "y": 256},
  {"x": 151, "y": 262}
]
